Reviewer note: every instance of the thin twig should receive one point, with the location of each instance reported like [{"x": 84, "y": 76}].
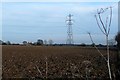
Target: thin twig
[
  {"x": 110, "y": 19},
  {"x": 106, "y": 22},
  {"x": 38, "y": 70},
  {"x": 102, "y": 23},
  {"x": 99, "y": 25},
  {"x": 96, "y": 47}
]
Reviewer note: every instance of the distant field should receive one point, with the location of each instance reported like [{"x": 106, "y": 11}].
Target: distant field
[{"x": 55, "y": 62}]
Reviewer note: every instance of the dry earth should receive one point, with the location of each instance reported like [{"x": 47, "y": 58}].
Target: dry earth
[{"x": 55, "y": 62}]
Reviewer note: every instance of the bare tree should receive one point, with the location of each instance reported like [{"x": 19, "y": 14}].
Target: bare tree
[
  {"x": 8, "y": 43},
  {"x": 50, "y": 42},
  {"x": 45, "y": 42},
  {"x": 104, "y": 26}
]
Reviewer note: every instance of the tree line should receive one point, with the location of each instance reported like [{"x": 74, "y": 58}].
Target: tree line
[
  {"x": 38, "y": 42},
  {"x": 50, "y": 42}
]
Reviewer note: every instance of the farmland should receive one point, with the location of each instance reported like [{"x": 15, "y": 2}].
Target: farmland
[{"x": 55, "y": 62}]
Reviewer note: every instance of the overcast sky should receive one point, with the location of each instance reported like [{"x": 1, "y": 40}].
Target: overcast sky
[
  {"x": 46, "y": 20},
  {"x": 59, "y": 0}
]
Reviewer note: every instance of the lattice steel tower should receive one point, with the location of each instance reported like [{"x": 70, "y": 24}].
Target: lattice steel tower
[{"x": 69, "y": 31}]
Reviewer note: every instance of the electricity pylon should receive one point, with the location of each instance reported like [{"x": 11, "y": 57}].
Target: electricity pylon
[{"x": 69, "y": 31}]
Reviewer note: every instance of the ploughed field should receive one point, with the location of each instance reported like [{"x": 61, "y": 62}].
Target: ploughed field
[{"x": 55, "y": 62}]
